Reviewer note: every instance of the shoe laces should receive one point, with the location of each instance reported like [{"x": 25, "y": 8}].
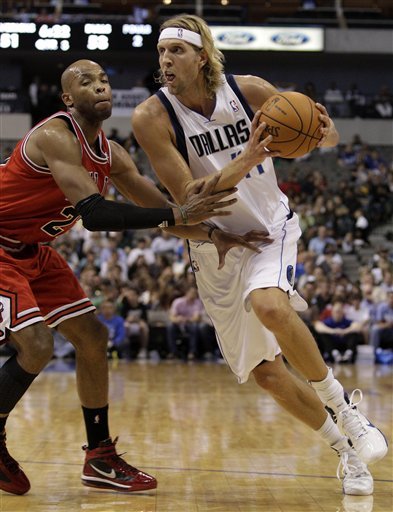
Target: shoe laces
[
  {"x": 355, "y": 469},
  {"x": 7, "y": 460},
  {"x": 121, "y": 465},
  {"x": 108, "y": 451},
  {"x": 351, "y": 412}
]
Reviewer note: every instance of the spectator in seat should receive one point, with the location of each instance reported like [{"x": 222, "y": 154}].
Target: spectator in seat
[
  {"x": 334, "y": 100},
  {"x": 142, "y": 249},
  {"x": 338, "y": 335},
  {"x": 358, "y": 311},
  {"x": 165, "y": 243},
  {"x": 356, "y": 101},
  {"x": 318, "y": 243},
  {"x": 310, "y": 91},
  {"x": 381, "y": 333},
  {"x": 329, "y": 258},
  {"x": 362, "y": 225},
  {"x": 347, "y": 157},
  {"x": 135, "y": 314},
  {"x": 184, "y": 320},
  {"x": 115, "y": 325},
  {"x": 209, "y": 347},
  {"x": 383, "y": 103},
  {"x": 368, "y": 301}
]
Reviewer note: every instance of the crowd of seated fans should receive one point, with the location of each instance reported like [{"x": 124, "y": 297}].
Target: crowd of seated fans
[
  {"x": 131, "y": 276},
  {"x": 143, "y": 279},
  {"x": 139, "y": 279}
]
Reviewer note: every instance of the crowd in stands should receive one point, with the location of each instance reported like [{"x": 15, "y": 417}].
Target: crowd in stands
[
  {"x": 144, "y": 288},
  {"x": 42, "y": 99},
  {"x": 42, "y": 96},
  {"x": 348, "y": 102}
]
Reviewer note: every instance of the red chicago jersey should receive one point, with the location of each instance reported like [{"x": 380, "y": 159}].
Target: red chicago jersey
[{"x": 33, "y": 208}]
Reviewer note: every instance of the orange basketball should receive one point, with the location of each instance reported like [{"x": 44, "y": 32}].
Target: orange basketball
[{"x": 292, "y": 119}]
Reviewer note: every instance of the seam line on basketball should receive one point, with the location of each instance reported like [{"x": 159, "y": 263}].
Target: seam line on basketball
[{"x": 291, "y": 128}]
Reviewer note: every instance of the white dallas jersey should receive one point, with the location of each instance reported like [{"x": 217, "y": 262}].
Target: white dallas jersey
[{"x": 208, "y": 145}]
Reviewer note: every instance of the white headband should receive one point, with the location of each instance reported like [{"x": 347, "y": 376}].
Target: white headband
[{"x": 183, "y": 34}]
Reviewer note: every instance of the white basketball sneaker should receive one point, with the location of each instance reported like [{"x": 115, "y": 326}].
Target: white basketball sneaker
[
  {"x": 356, "y": 478},
  {"x": 367, "y": 440}
]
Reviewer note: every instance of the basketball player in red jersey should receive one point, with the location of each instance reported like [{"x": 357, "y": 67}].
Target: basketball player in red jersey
[{"x": 57, "y": 174}]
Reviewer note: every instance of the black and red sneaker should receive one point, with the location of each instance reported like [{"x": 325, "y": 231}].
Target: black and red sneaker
[
  {"x": 12, "y": 478},
  {"x": 105, "y": 469}
]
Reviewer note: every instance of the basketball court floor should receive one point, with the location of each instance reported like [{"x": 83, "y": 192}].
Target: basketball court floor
[{"x": 213, "y": 445}]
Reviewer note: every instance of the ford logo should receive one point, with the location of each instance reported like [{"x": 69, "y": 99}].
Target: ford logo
[
  {"x": 236, "y": 38},
  {"x": 290, "y": 39}
]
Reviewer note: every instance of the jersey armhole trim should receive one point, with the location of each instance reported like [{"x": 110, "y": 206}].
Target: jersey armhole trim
[
  {"x": 35, "y": 167},
  {"x": 179, "y": 132},
  {"x": 232, "y": 83}
]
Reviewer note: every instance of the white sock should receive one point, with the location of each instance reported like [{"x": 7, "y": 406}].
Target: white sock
[
  {"x": 330, "y": 392},
  {"x": 331, "y": 434}
]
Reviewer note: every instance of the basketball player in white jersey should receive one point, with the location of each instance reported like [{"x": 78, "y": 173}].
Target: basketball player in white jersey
[{"x": 202, "y": 121}]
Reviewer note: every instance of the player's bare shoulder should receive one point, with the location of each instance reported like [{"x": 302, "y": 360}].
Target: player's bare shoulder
[
  {"x": 50, "y": 128},
  {"x": 54, "y": 133},
  {"x": 148, "y": 116},
  {"x": 256, "y": 90}
]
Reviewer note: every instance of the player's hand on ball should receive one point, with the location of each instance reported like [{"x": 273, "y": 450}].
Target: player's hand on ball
[
  {"x": 327, "y": 129},
  {"x": 225, "y": 241},
  {"x": 257, "y": 145}
]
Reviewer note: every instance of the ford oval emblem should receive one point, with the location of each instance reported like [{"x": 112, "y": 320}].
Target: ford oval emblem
[
  {"x": 290, "y": 39},
  {"x": 236, "y": 38}
]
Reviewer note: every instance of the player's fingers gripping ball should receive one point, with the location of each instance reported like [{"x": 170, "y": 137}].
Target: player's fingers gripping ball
[{"x": 292, "y": 119}]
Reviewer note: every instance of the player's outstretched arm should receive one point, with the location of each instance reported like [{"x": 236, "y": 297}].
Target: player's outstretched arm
[
  {"x": 54, "y": 145},
  {"x": 133, "y": 186},
  {"x": 200, "y": 203}
]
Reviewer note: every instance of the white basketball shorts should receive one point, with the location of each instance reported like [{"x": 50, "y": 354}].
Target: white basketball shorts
[{"x": 244, "y": 342}]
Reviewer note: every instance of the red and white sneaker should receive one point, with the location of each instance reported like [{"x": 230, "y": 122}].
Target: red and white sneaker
[
  {"x": 105, "y": 469},
  {"x": 12, "y": 478}
]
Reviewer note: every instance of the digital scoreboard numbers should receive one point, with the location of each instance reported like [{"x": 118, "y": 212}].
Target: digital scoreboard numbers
[
  {"x": 63, "y": 37},
  {"x": 99, "y": 36}
]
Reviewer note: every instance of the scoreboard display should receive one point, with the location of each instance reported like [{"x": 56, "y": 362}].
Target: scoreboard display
[{"x": 67, "y": 37}]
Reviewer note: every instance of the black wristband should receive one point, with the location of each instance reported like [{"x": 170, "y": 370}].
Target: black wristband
[{"x": 98, "y": 214}]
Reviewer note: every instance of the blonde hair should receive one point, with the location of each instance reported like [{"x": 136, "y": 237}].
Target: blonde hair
[{"x": 214, "y": 67}]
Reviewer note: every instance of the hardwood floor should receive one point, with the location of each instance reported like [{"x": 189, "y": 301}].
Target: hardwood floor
[{"x": 213, "y": 445}]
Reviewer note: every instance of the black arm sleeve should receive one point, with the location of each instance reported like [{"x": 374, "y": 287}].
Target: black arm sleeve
[{"x": 98, "y": 214}]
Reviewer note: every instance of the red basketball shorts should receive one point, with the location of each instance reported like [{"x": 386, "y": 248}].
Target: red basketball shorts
[{"x": 38, "y": 285}]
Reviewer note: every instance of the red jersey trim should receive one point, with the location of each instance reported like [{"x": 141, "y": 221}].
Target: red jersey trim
[
  {"x": 97, "y": 159},
  {"x": 70, "y": 314},
  {"x": 27, "y": 311},
  {"x": 25, "y": 318},
  {"x": 68, "y": 311},
  {"x": 31, "y": 321},
  {"x": 10, "y": 245},
  {"x": 45, "y": 170},
  {"x": 30, "y": 163},
  {"x": 17, "y": 321}
]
